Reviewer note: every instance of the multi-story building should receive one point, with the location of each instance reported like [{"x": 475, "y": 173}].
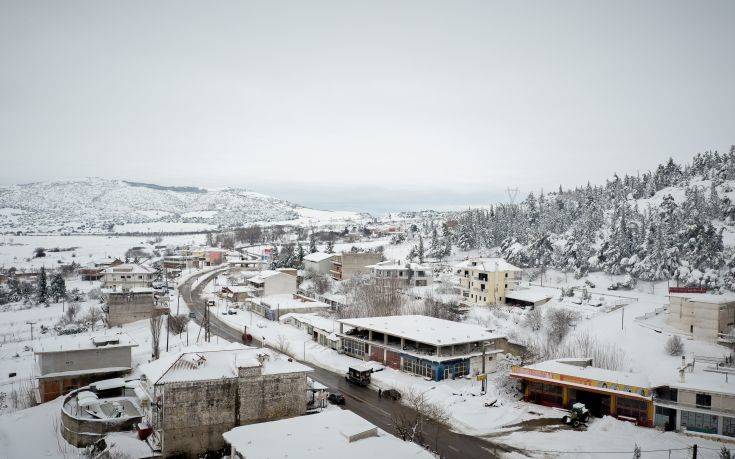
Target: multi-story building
[
  {"x": 273, "y": 307},
  {"x": 426, "y": 346},
  {"x": 699, "y": 401},
  {"x": 273, "y": 282},
  {"x": 318, "y": 262},
  {"x": 485, "y": 280},
  {"x": 702, "y": 315},
  {"x": 403, "y": 274},
  {"x": 349, "y": 264},
  {"x": 199, "y": 394},
  {"x": 131, "y": 305},
  {"x": 127, "y": 276},
  {"x": 67, "y": 362}
]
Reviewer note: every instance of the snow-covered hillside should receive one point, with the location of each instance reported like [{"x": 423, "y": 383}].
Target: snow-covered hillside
[{"x": 96, "y": 205}]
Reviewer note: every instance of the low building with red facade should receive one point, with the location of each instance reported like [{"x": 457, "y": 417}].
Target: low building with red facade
[{"x": 564, "y": 382}]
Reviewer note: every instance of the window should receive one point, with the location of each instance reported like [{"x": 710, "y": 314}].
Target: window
[
  {"x": 633, "y": 408},
  {"x": 699, "y": 422},
  {"x": 704, "y": 400},
  {"x": 728, "y": 426},
  {"x": 352, "y": 347},
  {"x": 418, "y": 367}
]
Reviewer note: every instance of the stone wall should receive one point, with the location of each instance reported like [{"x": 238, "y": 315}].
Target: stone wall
[{"x": 196, "y": 414}]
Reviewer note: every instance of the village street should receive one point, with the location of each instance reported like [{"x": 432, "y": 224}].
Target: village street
[{"x": 362, "y": 401}]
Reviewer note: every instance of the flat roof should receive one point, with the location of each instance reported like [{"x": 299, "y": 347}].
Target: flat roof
[
  {"x": 216, "y": 362},
  {"x": 287, "y": 301},
  {"x": 128, "y": 268},
  {"x": 705, "y": 297},
  {"x": 397, "y": 264},
  {"x": 85, "y": 341},
  {"x": 318, "y": 256},
  {"x": 530, "y": 295},
  {"x": 91, "y": 371},
  {"x": 320, "y": 436},
  {"x": 587, "y": 372},
  {"x": 424, "y": 329},
  {"x": 487, "y": 264}
]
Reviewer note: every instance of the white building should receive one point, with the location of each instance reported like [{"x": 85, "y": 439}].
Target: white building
[
  {"x": 485, "y": 280},
  {"x": 273, "y": 282},
  {"x": 702, "y": 315},
  {"x": 404, "y": 274},
  {"x": 127, "y": 276},
  {"x": 330, "y": 434},
  {"x": 318, "y": 262},
  {"x": 426, "y": 346},
  {"x": 323, "y": 330},
  {"x": 273, "y": 307}
]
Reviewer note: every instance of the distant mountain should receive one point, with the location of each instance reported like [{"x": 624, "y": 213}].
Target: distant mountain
[{"x": 96, "y": 205}]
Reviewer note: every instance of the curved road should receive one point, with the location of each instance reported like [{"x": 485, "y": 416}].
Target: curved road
[{"x": 360, "y": 400}]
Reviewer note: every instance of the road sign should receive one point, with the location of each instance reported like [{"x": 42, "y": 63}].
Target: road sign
[{"x": 482, "y": 377}]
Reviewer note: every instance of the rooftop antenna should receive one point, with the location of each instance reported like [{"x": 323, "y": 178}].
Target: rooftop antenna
[{"x": 512, "y": 194}]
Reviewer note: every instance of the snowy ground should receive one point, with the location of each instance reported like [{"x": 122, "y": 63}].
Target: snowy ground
[{"x": 18, "y": 251}]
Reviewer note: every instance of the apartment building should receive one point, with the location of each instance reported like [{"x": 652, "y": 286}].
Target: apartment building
[
  {"x": 703, "y": 315},
  {"x": 349, "y": 264},
  {"x": 273, "y": 282},
  {"x": 127, "y": 276},
  {"x": 403, "y": 273},
  {"x": 318, "y": 262},
  {"x": 486, "y": 280}
]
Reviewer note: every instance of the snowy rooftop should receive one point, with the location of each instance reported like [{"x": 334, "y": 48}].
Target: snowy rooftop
[
  {"x": 216, "y": 362},
  {"x": 487, "y": 264},
  {"x": 317, "y": 321},
  {"x": 239, "y": 288},
  {"x": 398, "y": 264},
  {"x": 332, "y": 433},
  {"x": 705, "y": 297},
  {"x": 424, "y": 329},
  {"x": 129, "y": 268},
  {"x": 130, "y": 290},
  {"x": 318, "y": 256},
  {"x": 592, "y": 373},
  {"x": 528, "y": 294},
  {"x": 287, "y": 301},
  {"x": 83, "y": 341},
  {"x": 265, "y": 274}
]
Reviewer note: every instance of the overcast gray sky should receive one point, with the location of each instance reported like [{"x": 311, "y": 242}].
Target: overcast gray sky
[{"x": 417, "y": 100}]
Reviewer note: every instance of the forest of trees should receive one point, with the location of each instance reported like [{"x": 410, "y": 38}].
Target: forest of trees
[{"x": 614, "y": 229}]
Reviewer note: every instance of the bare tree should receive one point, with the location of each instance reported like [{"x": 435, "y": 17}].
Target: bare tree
[
  {"x": 534, "y": 319},
  {"x": 282, "y": 344},
  {"x": 423, "y": 418},
  {"x": 674, "y": 345},
  {"x": 155, "y": 322},
  {"x": 559, "y": 321},
  {"x": 367, "y": 297},
  {"x": 177, "y": 324}
]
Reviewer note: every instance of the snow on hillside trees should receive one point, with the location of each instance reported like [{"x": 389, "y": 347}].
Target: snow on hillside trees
[{"x": 662, "y": 224}]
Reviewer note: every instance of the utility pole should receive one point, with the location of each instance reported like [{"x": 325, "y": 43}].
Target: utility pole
[
  {"x": 31, "y": 324},
  {"x": 694, "y": 451},
  {"x": 622, "y": 318},
  {"x": 484, "y": 375}
]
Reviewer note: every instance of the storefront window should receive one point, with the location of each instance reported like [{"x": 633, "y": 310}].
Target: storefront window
[
  {"x": 352, "y": 347},
  {"x": 699, "y": 422},
  {"x": 633, "y": 408},
  {"x": 728, "y": 426}
]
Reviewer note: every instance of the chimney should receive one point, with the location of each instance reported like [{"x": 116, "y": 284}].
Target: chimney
[{"x": 682, "y": 369}]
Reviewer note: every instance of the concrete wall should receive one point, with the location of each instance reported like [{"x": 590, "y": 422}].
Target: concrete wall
[
  {"x": 138, "y": 308},
  {"x": 84, "y": 359},
  {"x": 355, "y": 263},
  {"x": 280, "y": 283},
  {"x": 196, "y": 414},
  {"x": 702, "y": 320},
  {"x": 494, "y": 288},
  {"x": 719, "y": 401},
  {"x": 321, "y": 267}
]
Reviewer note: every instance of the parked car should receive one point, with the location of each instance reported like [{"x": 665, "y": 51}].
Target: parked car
[
  {"x": 192, "y": 315},
  {"x": 335, "y": 398},
  {"x": 209, "y": 302},
  {"x": 391, "y": 394}
]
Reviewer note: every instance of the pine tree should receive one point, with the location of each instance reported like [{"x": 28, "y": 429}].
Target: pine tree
[
  {"x": 57, "y": 290},
  {"x": 300, "y": 255},
  {"x": 420, "y": 249},
  {"x": 312, "y": 243},
  {"x": 330, "y": 246},
  {"x": 42, "y": 287}
]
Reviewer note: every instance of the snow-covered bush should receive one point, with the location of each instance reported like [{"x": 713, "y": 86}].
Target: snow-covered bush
[{"x": 674, "y": 345}]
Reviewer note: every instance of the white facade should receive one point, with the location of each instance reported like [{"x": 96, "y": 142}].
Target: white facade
[
  {"x": 269, "y": 282},
  {"x": 405, "y": 274},
  {"x": 127, "y": 276},
  {"x": 702, "y": 315},
  {"x": 318, "y": 262}
]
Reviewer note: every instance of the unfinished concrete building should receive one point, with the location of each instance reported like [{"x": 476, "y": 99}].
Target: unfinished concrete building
[
  {"x": 201, "y": 394},
  {"x": 131, "y": 305}
]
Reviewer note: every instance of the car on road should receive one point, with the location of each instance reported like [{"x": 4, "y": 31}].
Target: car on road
[
  {"x": 209, "y": 303},
  {"x": 192, "y": 315},
  {"x": 335, "y": 398},
  {"x": 392, "y": 394}
]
